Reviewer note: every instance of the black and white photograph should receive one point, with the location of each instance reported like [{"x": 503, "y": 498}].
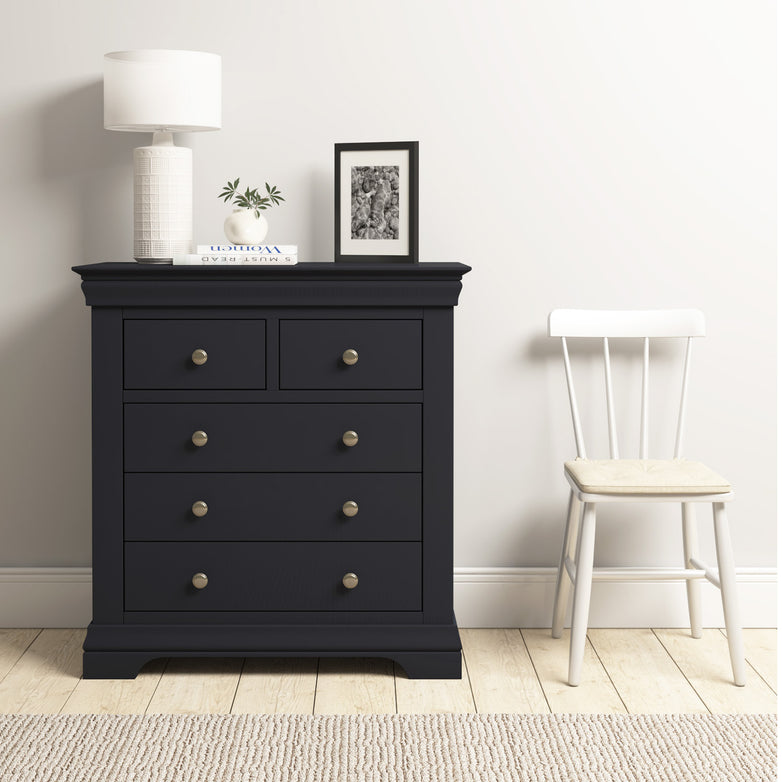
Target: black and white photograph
[{"x": 376, "y": 202}]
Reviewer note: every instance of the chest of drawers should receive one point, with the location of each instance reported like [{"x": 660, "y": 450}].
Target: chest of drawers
[{"x": 272, "y": 463}]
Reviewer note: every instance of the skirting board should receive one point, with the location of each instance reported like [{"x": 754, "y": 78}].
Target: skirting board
[
  {"x": 524, "y": 597},
  {"x": 483, "y": 597}
]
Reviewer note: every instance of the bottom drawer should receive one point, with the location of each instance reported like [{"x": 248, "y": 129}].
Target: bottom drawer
[{"x": 272, "y": 576}]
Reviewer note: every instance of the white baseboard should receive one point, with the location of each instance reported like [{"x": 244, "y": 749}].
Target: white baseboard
[
  {"x": 524, "y": 597},
  {"x": 483, "y": 597},
  {"x": 45, "y": 596}
]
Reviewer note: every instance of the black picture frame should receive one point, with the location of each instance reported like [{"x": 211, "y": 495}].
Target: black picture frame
[{"x": 392, "y": 166}]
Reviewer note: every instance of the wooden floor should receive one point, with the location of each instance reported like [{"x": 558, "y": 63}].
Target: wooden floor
[{"x": 635, "y": 671}]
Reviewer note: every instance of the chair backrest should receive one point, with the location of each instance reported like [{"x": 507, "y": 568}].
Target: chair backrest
[{"x": 644, "y": 324}]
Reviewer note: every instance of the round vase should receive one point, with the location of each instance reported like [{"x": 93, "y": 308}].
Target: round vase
[{"x": 243, "y": 227}]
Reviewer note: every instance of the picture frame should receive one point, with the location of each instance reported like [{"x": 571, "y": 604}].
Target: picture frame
[{"x": 376, "y": 202}]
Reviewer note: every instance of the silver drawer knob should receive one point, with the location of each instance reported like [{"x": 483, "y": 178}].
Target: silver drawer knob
[
  {"x": 350, "y": 357},
  {"x": 200, "y": 438},
  {"x": 199, "y": 508},
  {"x": 198, "y": 356},
  {"x": 350, "y": 438},
  {"x": 200, "y": 580},
  {"x": 350, "y": 580},
  {"x": 350, "y": 508}
]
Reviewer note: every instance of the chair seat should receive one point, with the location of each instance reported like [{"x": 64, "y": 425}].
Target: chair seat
[{"x": 645, "y": 476}]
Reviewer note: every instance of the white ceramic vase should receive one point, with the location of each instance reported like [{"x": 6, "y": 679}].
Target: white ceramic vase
[{"x": 243, "y": 227}]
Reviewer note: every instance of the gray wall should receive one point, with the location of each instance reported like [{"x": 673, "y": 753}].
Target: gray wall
[{"x": 601, "y": 154}]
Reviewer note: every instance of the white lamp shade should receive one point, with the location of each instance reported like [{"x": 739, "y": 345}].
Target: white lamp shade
[{"x": 161, "y": 89}]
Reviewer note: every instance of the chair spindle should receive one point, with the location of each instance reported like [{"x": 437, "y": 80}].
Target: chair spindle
[
  {"x": 612, "y": 440},
  {"x": 571, "y": 390},
  {"x": 677, "y": 450},
  {"x": 644, "y": 449}
]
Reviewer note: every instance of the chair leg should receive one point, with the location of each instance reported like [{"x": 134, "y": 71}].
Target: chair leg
[
  {"x": 562, "y": 592},
  {"x": 729, "y": 592},
  {"x": 690, "y": 541},
  {"x": 583, "y": 587}
]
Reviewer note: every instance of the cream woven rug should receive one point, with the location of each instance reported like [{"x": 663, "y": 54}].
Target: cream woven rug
[{"x": 448, "y": 747}]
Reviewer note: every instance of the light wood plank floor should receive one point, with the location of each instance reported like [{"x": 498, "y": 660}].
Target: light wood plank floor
[{"x": 503, "y": 671}]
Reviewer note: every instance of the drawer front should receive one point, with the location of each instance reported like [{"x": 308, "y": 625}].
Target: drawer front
[
  {"x": 159, "y": 354},
  {"x": 272, "y": 438},
  {"x": 272, "y": 576},
  {"x": 272, "y": 507},
  {"x": 389, "y": 354}
]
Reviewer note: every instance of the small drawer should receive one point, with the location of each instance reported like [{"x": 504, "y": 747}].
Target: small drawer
[
  {"x": 272, "y": 438},
  {"x": 181, "y": 354},
  {"x": 285, "y": 507},
  {"x": 350, "y": 354},
  {"x": 272, "y": 576}
]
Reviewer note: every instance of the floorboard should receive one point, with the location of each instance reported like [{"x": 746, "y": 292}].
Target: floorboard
[
  {"x": 13, "y": 644},
  {"x": 643, "y": 673},
  {"x": 760, "y": 649},
  {"x": 595, "y": 695},
  {"x": 502, "y": 675},
  {"x": 706, "y": 664},
  {"x": 116, "y": 696},
  {"x": 197, "y": 686},
  {"x": 359, "y": 685},
  {"x": 433, "y": 696},
  {"x": 272, "y": 685},
  {"x": 43, "y": 678}
]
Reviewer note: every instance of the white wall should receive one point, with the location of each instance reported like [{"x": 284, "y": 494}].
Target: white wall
[{"x": 601, "y": 154}]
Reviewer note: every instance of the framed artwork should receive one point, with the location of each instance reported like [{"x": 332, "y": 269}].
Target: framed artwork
[{"x": 376, "y": 202}]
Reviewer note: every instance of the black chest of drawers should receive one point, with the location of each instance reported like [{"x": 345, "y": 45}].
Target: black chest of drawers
[{"x": 272, "y": 463}]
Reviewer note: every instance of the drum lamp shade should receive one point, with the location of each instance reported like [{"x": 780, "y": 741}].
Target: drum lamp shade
[{"x": 161, "y": 89}]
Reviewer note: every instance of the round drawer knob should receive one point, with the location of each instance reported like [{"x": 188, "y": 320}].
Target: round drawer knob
[
  {"x": 350, "y": 508},
  {"x": 198, "y": 357},
  {"x": 200, "y": 580},
  {"x": 200, "y": 438},
  {"x": 199, "y": 508},
  {"x": 349, "y": 580},
  {"x": 350, "y": 438},
  {"x": 350, "y": 357}
]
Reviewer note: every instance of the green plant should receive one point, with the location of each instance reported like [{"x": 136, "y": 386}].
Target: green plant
[{"x": 251, "y": 199}]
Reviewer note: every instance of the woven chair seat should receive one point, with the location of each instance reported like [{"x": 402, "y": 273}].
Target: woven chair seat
[{"x": 645, "y": 476}]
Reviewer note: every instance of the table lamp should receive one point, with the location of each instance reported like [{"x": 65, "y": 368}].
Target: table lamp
[{"x": 162, "y": 91}]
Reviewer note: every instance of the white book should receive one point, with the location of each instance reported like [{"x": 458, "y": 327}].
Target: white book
[
  {"x": 250, "y": 249},
  {"x": 246, "y": 259}
]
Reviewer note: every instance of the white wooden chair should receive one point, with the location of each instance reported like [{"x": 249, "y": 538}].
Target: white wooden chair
[{"x": 594, "y": 481}]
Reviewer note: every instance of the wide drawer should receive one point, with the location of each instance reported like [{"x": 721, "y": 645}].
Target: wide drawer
[
  {"x": 272, "y": 438},
  {"x": 272, "y": 576},
  {"x": 162, "y": 354},
  {"x": 269, "y": 506},
  {"x": 386, "y": 354}
]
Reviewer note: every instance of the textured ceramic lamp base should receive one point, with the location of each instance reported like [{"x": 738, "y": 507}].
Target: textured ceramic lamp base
[{"x": 163, "y": 202}]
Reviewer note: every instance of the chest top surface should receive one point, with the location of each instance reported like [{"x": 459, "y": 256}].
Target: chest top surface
[{"x": 330, "y": 284}]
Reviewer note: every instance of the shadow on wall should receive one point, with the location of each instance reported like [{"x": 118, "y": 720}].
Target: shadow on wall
[
  {"x": 538, "y": 533},
  {"x": 83, "y": 175},
  {"x": 96, "y": 168},
  {"x": 321, "y": 226},
  {"x": 45, "y": 459}
]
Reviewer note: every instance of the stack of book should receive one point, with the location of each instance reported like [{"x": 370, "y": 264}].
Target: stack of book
[{"x": 238, "y": 254}]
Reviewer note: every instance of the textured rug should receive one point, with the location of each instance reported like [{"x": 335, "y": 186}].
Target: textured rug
[{"x": 448, "y": 747}]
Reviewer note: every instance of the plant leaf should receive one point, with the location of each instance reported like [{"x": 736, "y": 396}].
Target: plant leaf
[{"x": 251, "y": 198}]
